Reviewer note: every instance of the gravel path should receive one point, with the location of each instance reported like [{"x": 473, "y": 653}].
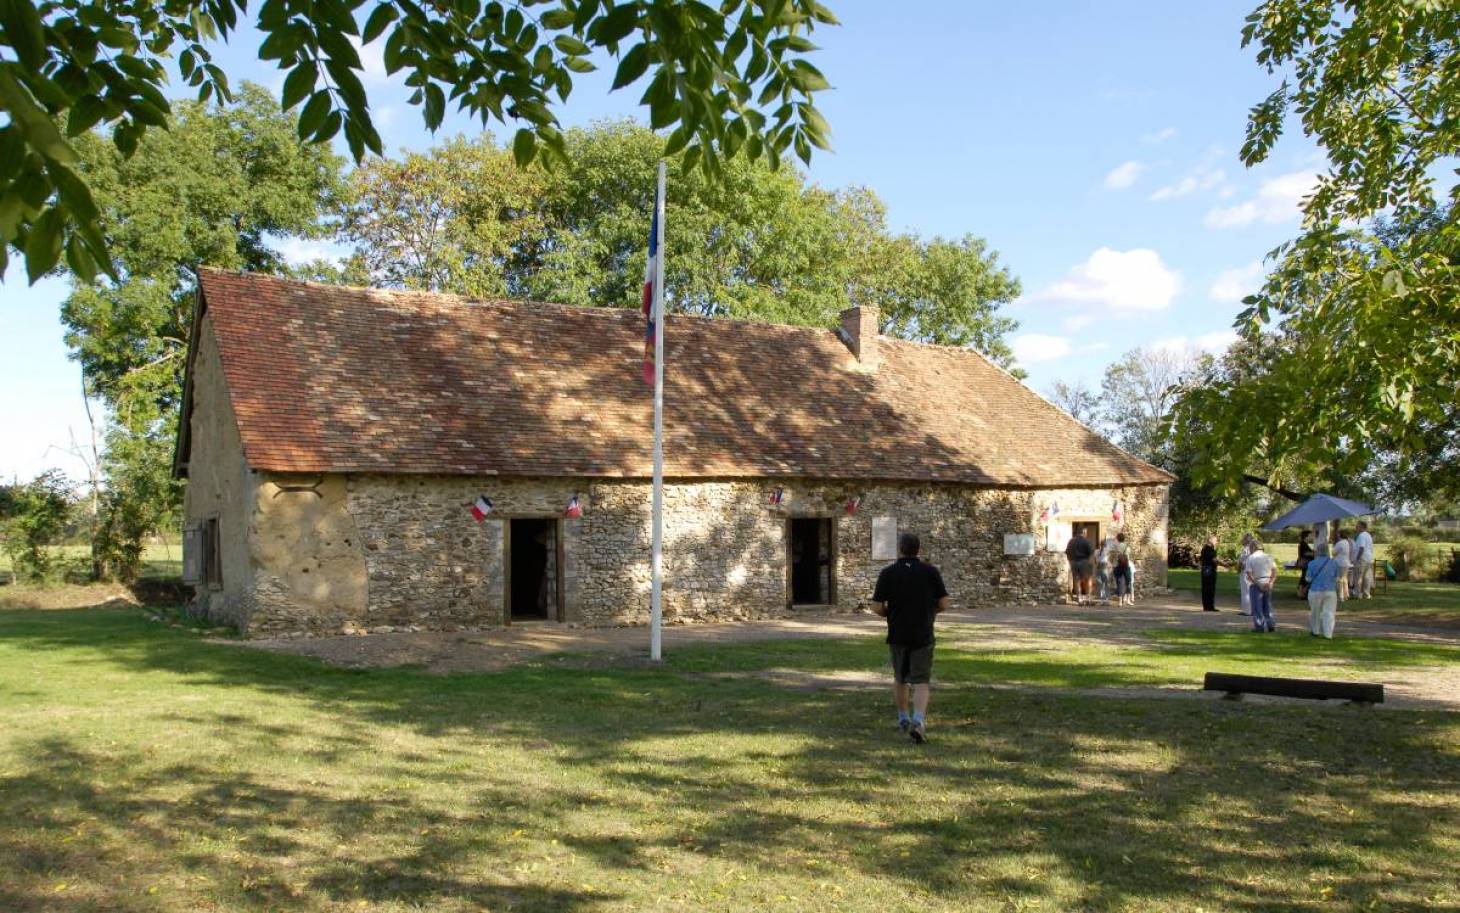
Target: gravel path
[{"x": 1037, "y": 627}]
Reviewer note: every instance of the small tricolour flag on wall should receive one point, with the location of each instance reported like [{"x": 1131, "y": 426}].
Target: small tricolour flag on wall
[
  {"x": 1050, "y": 512},
  {"x": 481, "y": 507},
  {"x": 854, "y": 502},
  {"x": 574, "y": 509},
  {"x": 777, "y": 495},
  {"x": 1117, "y": 513}
]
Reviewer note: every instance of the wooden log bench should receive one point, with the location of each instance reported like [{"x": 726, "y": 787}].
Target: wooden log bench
[{"x": 1313, "y": 689}]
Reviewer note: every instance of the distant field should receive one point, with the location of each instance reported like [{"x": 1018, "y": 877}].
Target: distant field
[{"x": 162, "y": 559}]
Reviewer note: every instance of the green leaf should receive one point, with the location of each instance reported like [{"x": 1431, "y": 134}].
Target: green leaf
[
  {"x": 571, "y": 46},
  {"x": 314, "y": 114},
  {"x": 556, "y": 19},
  {"x": 24, "y": 32},
  {"x": 616, "y": 24},
  {"x": 677, "y": 141},
  {"x": 43, "y": 244},
  {"x": 382, "y": 16},
  {"x": 578, "y": 65},
  {"x": 298, "y": 84},
  {"x": 39, "y": 130},
  {"x": 88, "y": 110},
  {"x": 524, "y": 147},
  {"x": 631, "y": 66}
]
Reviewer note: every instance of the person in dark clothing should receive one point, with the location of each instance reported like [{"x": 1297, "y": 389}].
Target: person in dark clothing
[
  {"x": 1305, "y": 558},
  {"x": 909, "y": 593},
  {"x": 1081, "y": 555},
  {"x": 1209, "y": 575}
]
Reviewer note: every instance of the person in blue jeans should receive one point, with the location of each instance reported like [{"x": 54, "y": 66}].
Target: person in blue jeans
[{"x": 1260, "y": 573}]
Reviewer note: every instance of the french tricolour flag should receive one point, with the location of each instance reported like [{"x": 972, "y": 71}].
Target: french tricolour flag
[
  {"x": 1117, "y": 513},
  {"x": 481, "y": 507},
  {"x": 650, "y": 272},
  {"x": 574, "y": 510}
]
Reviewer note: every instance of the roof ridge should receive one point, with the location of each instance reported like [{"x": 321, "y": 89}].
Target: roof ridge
[{"x": 513, "y": 302}]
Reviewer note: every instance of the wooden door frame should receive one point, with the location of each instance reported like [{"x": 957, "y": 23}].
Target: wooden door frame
[
  {"x": 559, "y": 611},
  {"x": 831, "y": 545}
]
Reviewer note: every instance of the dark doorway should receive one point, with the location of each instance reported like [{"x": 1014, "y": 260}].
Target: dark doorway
[
  {"x": 1091, "y": 529},
  {"x": 811, "y": 561},
  {"x": 532, "y": 590}
]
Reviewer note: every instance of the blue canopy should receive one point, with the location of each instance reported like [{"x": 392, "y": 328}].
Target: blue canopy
[{"x": 1318, "y": 509}]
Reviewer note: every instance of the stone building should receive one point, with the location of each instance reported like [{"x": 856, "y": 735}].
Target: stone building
[{"x": 334, "y": 440}]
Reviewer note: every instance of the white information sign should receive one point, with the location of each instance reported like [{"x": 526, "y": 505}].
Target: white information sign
[
  {"x": 1018, "y": 543},
  {"x": 884, "y": 538}
]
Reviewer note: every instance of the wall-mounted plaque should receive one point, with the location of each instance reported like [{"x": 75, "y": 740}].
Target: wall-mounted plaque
[
  {"x": 1018, "y": 543},
  {"x": 884, "y": 538}
]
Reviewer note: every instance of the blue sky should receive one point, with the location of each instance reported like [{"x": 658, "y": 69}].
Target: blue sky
[{"x": 1093, "y": 144}]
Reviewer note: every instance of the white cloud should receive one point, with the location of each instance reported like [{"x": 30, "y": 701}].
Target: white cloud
[
  {"x": 1236, "y": 284},
  {"x": 1202, "y": 177},
  {"x": 1159, "y": 136},
  {"x": 1277, "y": 201},
  {"x": 1118, "y": 281},
  {"x": 1032, "y": 348},
  {"x": 372, "y": 58},
  {"x": 300, "y": 251},
  {"x": 1076, "y": 322},
  {"x": 1123, "y": 175},
  {"x": 1215, "y": 342}
]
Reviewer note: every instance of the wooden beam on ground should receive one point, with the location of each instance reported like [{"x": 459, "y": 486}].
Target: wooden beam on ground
[{"x": 1312, "y": 689}]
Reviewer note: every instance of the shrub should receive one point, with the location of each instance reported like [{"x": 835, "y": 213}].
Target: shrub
[
  {"x": 1410, "y": 556},
  {"x": 1452, "y": 573},
  {"x": 34, "y": 518}
]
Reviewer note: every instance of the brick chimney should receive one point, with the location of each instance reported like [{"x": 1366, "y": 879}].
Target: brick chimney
[{"x": 859, "y": 332}]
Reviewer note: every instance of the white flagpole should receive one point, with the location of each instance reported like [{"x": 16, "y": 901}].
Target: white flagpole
[{"x": 656, "y": 611}]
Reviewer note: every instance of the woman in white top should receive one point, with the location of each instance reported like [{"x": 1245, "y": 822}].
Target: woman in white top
[{"x": 1343, "y": 554}]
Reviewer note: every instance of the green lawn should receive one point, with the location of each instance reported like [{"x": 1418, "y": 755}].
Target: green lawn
[
  {"x": 159, "y": 559},
  {"x": 1417, "y": 600},
  {"x": 142, "y": 769}
]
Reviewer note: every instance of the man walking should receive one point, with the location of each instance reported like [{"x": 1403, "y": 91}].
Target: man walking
[
  {"x": 909, "y": 594},
  {"x": 1361, "y": 577}
]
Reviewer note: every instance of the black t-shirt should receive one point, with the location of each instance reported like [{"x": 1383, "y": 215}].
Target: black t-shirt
[
  {"x": 1079, "y": 549},
  {"x": 1208, "y": 556},
  {"x": 911, "y": 588}
]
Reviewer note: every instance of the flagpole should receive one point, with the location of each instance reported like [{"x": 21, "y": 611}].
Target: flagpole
[{"x": 656, "y": 611}]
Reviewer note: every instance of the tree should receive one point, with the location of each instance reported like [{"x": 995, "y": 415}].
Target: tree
[
  {"x": 729, "y": 79},
  {"x": 216, "y": 189},
  {"x": 1078, "y": 399},
  {"x": 1369, "y": 327},
  {"x": 757, "y": 242},
  {"x": 450, "y": 219},
  {"x": 1138, "y": 393},
  {"x": 32, "y": 517}
]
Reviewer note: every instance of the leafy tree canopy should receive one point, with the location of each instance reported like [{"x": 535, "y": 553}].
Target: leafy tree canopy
[
  {"x": 1367, "y": 324},
  {"x": 728, "y": 79},
  {"x": 756, "y": 242}
]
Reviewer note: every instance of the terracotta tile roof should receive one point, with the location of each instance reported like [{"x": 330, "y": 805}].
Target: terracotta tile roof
[{"x": 334, "y": 379}]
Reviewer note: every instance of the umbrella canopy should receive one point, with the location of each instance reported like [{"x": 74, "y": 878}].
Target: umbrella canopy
[{"x": 1319, "y": 509}]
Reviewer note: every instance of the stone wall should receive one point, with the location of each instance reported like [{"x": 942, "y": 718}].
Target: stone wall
[
  {"x": 219, "y": 485},
  {"x": 377, "y": 551}
]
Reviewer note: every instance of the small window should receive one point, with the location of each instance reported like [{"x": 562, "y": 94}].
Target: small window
[
  {"x": 212, "y": 553},
  {"x": 192, "y": 555}
]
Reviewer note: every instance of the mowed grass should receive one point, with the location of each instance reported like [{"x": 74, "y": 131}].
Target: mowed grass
[{"x": 142, "y": 769}]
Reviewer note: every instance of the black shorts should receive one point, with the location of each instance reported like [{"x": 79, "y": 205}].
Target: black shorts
[{"x": 911, "y": 665}]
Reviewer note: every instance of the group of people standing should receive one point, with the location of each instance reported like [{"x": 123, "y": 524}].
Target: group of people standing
[
  {"x": 1106, "y": 569},
  {"x": 1327, "y": 577}
]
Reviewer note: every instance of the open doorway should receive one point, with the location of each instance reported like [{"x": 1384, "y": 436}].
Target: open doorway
[
  {"x": 811, "y": 561},
  {"x": 533, "y": 578},
  {"x": 1091, "y": 529}
]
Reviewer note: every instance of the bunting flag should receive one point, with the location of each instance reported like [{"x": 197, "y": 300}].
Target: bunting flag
[
  {"x": 853, "y": 503},
  {"x": 648, "y": 307},
  {"x": 574, "y": 509},
  {"x": 1116, "y": 513},
  {"x": 777, "y": 494},
  {"x": 1050, "y": 512},
  {"x": 481, "y": 507}
]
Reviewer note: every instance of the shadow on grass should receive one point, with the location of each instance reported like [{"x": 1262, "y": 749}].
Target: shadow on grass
[{"x": 418, "y": 791}]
